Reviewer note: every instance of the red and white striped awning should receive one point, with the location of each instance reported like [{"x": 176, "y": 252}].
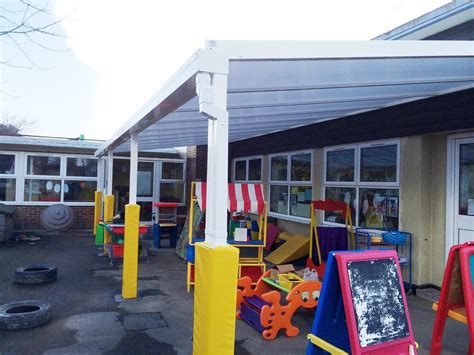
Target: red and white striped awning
[{"x": 247, "y": 198}]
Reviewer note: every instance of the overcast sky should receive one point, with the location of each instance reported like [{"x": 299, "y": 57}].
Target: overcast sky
[{"x": 115, "y": 54}]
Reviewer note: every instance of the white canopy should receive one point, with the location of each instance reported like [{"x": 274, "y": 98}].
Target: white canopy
[
  {"x": 234, "y": 90},
  {"x": 274, "y": 86}
]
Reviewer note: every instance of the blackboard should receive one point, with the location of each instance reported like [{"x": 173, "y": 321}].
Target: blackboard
[{"x": 378, "y": 301}]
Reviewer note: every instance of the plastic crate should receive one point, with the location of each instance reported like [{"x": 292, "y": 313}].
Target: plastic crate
[
  {"x": 395, "y": 237},
  {"x": 289, "y": 280},
  {"x": 117, "y": 250}
]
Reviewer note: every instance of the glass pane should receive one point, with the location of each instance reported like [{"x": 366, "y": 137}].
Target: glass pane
[
  {"x": 172, "y": 171},
  {"x": 81, "y": 167},
  {"x": 348, "y": 195},
  {"x": 378, "y": 208},
  {"x": 43, "y": 165},
  {"x": 7, "y": 164},
  {"x": 301, "y": 167},
  {"x": 42, "y": 190},
  {"x": 466, "y": 179},
  {"x": 300, "y": 200},
  {"x": 255, "y": 169},
  {"x": 146, "y": 209},
  {"x": 378, "y": 164},
  {"x": 340, "y": 165},
  {"x": 171, "y": 192},
  {"x": 145, "y": 179},
  {"x": 7, "y": 189},
  {"x": 279, "y": 168},
  {"x": 279, "y": 199},
  {"x": 79, "y": 191},
  {"x": 240, "y": 170}
]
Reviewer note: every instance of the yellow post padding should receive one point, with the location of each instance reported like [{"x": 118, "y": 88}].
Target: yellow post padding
[
  {"x": 97, "y": 208},
  {"x": 108, "y": 215},
  {"x": 130, "y": 253},
  {"x": 215, "y": 294}
]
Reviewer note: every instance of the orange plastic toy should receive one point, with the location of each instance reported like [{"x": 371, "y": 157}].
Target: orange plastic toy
[{"x": 261, "y": 306}]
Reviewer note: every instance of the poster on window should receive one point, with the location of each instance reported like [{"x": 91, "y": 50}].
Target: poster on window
[{"x": 392, "y": 207}]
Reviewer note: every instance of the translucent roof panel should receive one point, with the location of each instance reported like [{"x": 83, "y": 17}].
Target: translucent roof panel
[{"x": 268, "y": 95}]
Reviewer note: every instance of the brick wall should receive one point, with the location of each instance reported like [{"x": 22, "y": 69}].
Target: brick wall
[{"x": 28, "y": 217}]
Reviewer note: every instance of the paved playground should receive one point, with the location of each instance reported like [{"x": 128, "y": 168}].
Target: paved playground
[{"x": 87, "y": 319}]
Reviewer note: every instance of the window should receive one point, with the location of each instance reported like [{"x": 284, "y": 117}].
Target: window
[
  {"x": 290, "y": 184},
  {"x": 172, "y": 182},
  {"x": 43, "y": 165},
  {"x": 81, "y": 167},
  {"x": 248, "y": 169},
  {"x": 366, "y": 176},
  {"x": 60, "y": 179},
  {"x": 7, "y": 177}
]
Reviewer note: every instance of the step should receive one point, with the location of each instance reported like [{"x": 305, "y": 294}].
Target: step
[
  {"x": 256, "y": 302},
  {"x": 252, "y": 317}
]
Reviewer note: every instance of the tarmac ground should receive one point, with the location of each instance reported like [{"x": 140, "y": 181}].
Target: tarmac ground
[{"x": 87, "y": 319}]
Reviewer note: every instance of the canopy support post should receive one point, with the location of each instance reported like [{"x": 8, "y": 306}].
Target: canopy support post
[
  {"x": 212, "y": 91},
  {"x": 110, "y": 172},
  {"x": 133, "y": 168}
]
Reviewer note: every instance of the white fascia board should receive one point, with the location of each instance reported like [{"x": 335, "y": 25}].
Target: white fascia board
[
  {"x": 300, "y": 50},
  {"x": 49, "y": 142},
  {"x": 200, "y": 61}
]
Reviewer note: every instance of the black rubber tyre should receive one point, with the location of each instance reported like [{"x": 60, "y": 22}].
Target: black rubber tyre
[
  {"x": 24, "y": 315},
  {"x": 36, "y": 274}
]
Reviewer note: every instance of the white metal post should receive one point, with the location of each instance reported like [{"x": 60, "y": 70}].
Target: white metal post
[
  {"x": 133, "y": 169},
  {"x": 100, "y": 174},
  {"x": 110, "y": 172},
  {"x": 212, "y": 91}
]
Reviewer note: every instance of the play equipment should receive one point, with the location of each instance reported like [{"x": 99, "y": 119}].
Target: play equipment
[
  {"x": 296, "y": 247},
  {"x": 165, "y": 223},
  {"x": 245, "y": 198},
  {"x": 456, "y": 300},
  {"x": 326, "y": 206},
  {"x": 261, "y": 306},
  {"x": 363, "y": 308},
  {"x": 114, "y": 247}
]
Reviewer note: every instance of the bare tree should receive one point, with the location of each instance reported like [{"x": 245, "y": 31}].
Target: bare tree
[
  {"x": 13, "y": 126},
  {"x": 28, "y": 22}
]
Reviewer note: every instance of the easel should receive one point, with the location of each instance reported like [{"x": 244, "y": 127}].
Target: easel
[
  {"x": 348, "y": 318},
  {"x": 457, "y": 295},
  {"x": 327, "y": 206}
]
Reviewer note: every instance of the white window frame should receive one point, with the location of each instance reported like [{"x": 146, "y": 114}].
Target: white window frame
[
  {"x": 61, "y": 177},
  {"x": 183, "y": 180},
  {"x": 289, "y": 183},
  {"x": 12, "y": 176},
  {"x": 247, "y": 163},
  {"x": 357, "y": 184}
]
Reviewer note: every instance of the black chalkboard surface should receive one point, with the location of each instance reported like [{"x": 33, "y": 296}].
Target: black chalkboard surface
[{"x": 378, "y": 301}]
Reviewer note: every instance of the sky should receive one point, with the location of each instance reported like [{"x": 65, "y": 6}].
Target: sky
[{"x": 110, "y": 56}]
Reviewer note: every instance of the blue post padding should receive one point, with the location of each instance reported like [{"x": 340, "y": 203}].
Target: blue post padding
[{"x": 330, "y": 320}]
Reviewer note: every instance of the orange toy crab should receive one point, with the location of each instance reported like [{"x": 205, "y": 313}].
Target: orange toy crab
[{"x": 273, "y": 315}]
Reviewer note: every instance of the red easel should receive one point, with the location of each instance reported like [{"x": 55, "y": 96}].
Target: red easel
[{"x": 457, "y": 295}]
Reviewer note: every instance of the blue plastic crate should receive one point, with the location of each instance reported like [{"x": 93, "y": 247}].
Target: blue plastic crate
[{"x": 395, "y": 237}]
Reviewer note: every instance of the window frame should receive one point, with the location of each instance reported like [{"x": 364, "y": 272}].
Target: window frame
[
  {"x": 62, "y": 177},
  {"x": 289, "y": 183},
  {"x": 14, "y": 176},
  {"x": 160, "y": 178},
  {"x": 247, "y": 171},
  {"x": 357, "y": 184}
]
